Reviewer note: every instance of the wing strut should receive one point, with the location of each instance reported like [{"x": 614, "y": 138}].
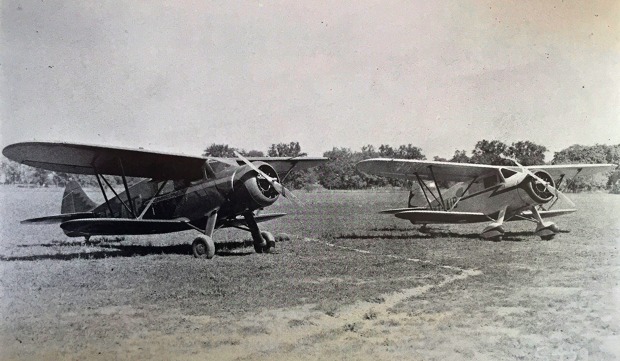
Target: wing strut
[
  {"x": 120, "y": 164},
  {"x": 105, "y": 196},
  {"x": 152, "y": 200},
  {"x": 463, "y": 194},
  {"x": 423, "y": 185},
  {"x": 430, "y": 167},
  {"x": 288, "y": 172},
  {"x": 116, "y": 194}
]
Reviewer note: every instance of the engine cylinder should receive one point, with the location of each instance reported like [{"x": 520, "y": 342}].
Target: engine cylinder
[{"x": 537, "y": 190}]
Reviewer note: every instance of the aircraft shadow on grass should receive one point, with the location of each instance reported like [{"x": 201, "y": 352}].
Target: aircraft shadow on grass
[
  {"x": 435, "y": 233},
  {"x": 119, "y": 250}
]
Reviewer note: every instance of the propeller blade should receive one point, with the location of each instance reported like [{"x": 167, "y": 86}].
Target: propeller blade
[
  {"x": 274, "y": 183},
  {"x": 549, "y": 187}
]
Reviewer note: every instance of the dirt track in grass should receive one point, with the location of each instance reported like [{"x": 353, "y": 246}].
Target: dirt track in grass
[{"x": 350, "y": 284}]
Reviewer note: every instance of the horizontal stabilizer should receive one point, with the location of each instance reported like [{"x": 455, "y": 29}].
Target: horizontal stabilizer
[
  {"x": 59, "y": 218},
  {"x": 428, "y": 217},
  {"x": 258, "y": 218},
  {"x": 122, "y": 226}
]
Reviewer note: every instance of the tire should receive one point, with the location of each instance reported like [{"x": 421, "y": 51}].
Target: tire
[
  {"x": 203, "y": 247},
  {"x": 271, "y": 242},
  {"x": 265, "y": 243}
]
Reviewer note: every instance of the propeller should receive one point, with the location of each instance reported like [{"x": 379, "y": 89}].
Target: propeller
[
  {"x": 273, "y": 181},
  {"x": 547, "y": 185}
]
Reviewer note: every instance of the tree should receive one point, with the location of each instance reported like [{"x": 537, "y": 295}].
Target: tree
[
  {"x": 339, "y": 172},
  {"x": 460, "y": 156},
  {"x": 581, "y": 154},
  {"x": 409, "y": 152},
  {"x": 527, "y": 153},
  {"x": 226, "y": 151},
  {"x": 219, "y": 150},
  {"x": 252, "y": 153},
  {"x": 294, "y": 179},
  {"x": 292, "y": 149},
  {"x": 490, "y": 152},
  {"x": 588, "y": 154}
]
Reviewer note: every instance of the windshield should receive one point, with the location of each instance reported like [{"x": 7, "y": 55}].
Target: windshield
[{"x": 218, "y": 165}]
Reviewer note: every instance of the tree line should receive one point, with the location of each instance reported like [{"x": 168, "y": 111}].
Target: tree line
[{"x": 340, "y": 173}]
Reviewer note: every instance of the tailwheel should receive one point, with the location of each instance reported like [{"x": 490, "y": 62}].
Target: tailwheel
[
  {"x": 203, "y": 247},
  {"x": 264, "y": 242}
]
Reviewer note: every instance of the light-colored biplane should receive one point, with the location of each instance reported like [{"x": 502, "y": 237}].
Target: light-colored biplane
[
  {"x": 482, "y": 193},
  {"x": 179, "y": 192}
]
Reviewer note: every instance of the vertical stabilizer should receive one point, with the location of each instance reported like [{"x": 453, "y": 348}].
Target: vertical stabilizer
[{"x": 75, "y": 199}]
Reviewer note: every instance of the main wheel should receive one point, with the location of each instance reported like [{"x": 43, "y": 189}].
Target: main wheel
[
  {"x": 203, "y": 247},
  {"x": 271, "y": 241},
  {"x": 548, "y": 237},
  {"x": 264, "y": 243}
]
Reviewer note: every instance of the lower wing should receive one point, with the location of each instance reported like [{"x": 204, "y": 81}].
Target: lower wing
[
  {"x": 59, "y": 218},
  {"x": 417, "y": 216},
  {"x": 118, "y": 226},
  {"x": 527, "y": 215},
  {"x": 240, "y": 222},
  {"x": 428, "y": 217}
]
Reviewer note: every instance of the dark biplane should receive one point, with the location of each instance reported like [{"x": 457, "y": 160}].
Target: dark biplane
[{"x": 179, "y": 193}]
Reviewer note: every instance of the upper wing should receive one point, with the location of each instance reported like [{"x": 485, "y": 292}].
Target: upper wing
[
  {"x": 283, "y": 165},
  {"x": 407, "y": 169},
  {"x": 92, "y": 159},
  {"x": 572, "y": 170}
]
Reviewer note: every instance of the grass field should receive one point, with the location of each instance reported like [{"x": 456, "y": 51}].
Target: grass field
[{"x": 350, "y": 284}]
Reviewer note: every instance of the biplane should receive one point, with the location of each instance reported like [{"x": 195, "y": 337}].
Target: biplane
[
  {"x": 482, "y": 193},
  {"x": 178, "y": 192}
]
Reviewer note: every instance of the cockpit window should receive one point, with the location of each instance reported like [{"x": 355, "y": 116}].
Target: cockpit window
[
  {"x": 218, "y": 165},
  {"x": 489, "y": 181},
  {"x": 507, "y": 173}
]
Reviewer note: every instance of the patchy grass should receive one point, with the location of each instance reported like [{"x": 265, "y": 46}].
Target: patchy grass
[{"x": 344, "y": 282}]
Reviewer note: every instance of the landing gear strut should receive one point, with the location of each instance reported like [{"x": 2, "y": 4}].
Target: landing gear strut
[
  {"x": 264, "y": 242},
  {"x": 545, "y": 230},
  {"x": 203, "y": 246},
  {"x": 495, "y": 231}
]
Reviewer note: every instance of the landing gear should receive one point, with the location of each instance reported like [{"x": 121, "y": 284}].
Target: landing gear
[
  {"x": 264, "y": 242},
  {"x": 203, "y": 247},
  {"x": 545, "y": 230},
  {"x": 495, "y": 231}
]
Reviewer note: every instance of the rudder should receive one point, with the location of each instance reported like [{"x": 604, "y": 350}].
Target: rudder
[{"x": 74, "y": 199}]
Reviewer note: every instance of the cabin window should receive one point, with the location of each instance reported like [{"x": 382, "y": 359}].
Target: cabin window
[
  {"x": 217, "y": 165},
  {"x": 489, "y": 181},
  {"x": 507, "y": 173}
]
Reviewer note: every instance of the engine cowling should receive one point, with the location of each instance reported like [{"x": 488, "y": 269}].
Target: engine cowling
[
  {"x": 537, "y": 190},
  {"x": 257, "y": 188}
]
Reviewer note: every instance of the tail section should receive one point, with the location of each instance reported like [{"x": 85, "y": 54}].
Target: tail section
[{"x": 75, "y": 200}]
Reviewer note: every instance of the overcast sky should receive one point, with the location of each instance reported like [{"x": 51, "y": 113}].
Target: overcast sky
[{"x": 178, "y": 76}]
